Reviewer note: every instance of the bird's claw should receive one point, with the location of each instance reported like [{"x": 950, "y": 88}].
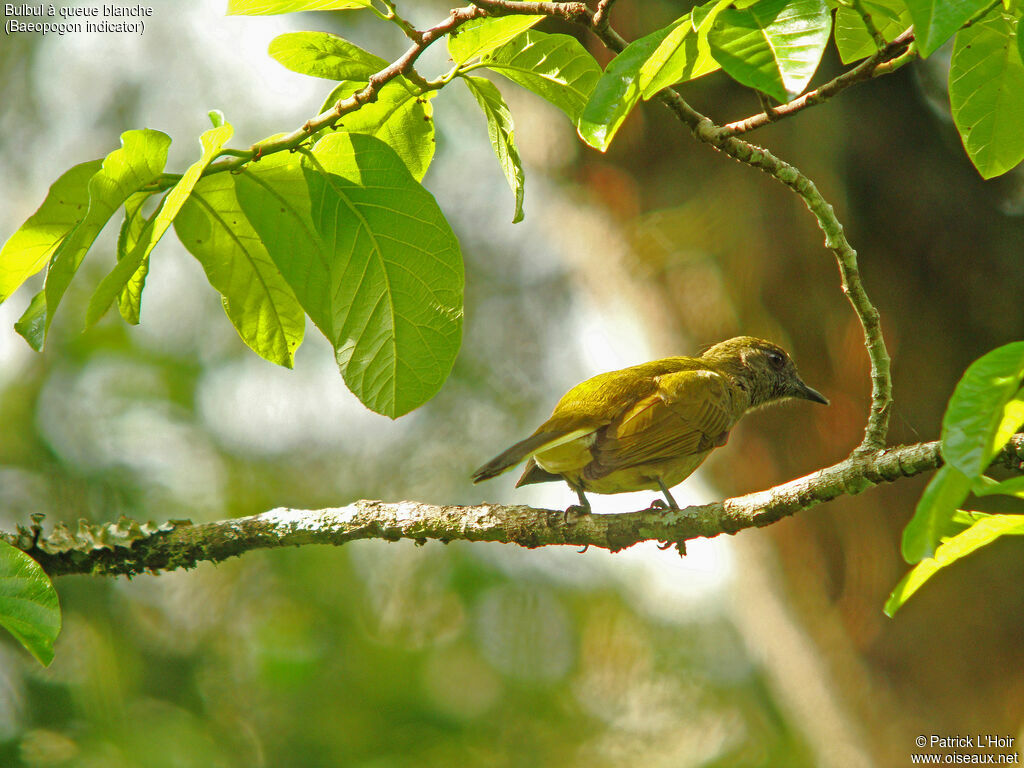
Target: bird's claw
[{"x": 574, "y": 510}]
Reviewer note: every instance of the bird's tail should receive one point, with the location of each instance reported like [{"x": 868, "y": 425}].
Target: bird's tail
[{"x": 521, "y": 450}]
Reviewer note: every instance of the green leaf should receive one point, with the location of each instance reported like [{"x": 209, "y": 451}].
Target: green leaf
[
  {"x": 370, "y": 258},
  {"x": 983, "y": 531},
  {"x": 774, "y": 45},
  {"x": 618, "y": 89},
  {"x": 985, "y": 410},
  {"x": 502, "y": 132},
  {"x": 321, "y": 54},
  {"x": 29, "y": 608},
  {"x": 127, "y": 268},
  {"x": 125, "y": 171},
  {"x": 481, "y": 36},
  {"x": 272, "y": 7},
  {"x": 985, "y": 486},
  {"x": 555, "y": 67},
  {"x": 891, "y": 18},
  {"x": 986, "y": 93},
  {"x": 28, "y": 249},
  {"x": 401, "y": 117},
  {"x": 935, "y": 21},
  {"x": 644, "y": 67},
  {"x": 682, "y": 56},
  {"x": 943, "y": 496},
  {"x": 257, "y": 300},
  {"x": 31, "y": 326},
  {"x": 129, "y": 302}
]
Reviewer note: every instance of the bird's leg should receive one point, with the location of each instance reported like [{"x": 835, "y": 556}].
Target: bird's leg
[
  {"x": 583, "y": 508},
  {"x": 671, "y": 502}
]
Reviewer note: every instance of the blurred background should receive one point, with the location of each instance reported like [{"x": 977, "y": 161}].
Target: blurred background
[{"x": 764, "y": 649}]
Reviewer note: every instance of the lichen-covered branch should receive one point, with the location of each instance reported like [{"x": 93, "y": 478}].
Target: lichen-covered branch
[{"x": 126, "y": 548}]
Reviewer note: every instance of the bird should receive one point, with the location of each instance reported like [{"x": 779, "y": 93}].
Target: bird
[{"x": 649, "y": 426}]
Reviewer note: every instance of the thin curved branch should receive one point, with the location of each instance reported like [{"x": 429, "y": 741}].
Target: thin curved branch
[
  {"x": 706, "y": 131},
  {"x": 183, "y": 545}
]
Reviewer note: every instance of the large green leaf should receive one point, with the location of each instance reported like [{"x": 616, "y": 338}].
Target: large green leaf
[
  {"x": 29, "y": 608},
  {"x": 321, "y": 54},
  {"x": 986, "y": 92},
  {"x": 114, "y": 283},
  {"x": 257, "y": 300},
  {"x": 28, "y": 249},
  {"x": 618, "y": 89},
  {"x": 125, "y": 171},
  {"x": 555, "y": 67},
  {"x": 682, "y": 56},
  {"x": 271, "y": 7},
  {"x": 370, "y": 258},
  {"x": 935, "y": 21},
  {"x": 983, "y": 531},
  {"x": 931, "y": 521},
  {"x": 502, "y": 132},
  {"x": 890, "y": 17},
  {"x": 669, "y": 55},
  {"x": 985, "y": 410},
  {"x": 480, "y": 36},
  {"x": 401, "y": 117},
  {"x": 774, "y": 45}
]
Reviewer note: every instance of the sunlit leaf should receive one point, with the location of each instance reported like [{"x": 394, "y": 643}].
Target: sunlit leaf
[
  {"x": 114, "y": 283},
  {"x": 28, "y": 249},
  {"x": 321, "y": 54},
  {"x": 125, "y": 171},
  {"x": 986, "y": 93},
  {"x": 618, "y": 89},
  {"x": 890, "y": 17},
  {"x": 29, "y": 608},
  {"x": 257, "y": 300},
  {"x": 682, "y": 56},
  {"x": 983, "y": 531},
  {"x": 774, "y": 45},
  {"x": 501, "y": 132},
  {"x": 371, "y": 259},
  {"x": 935, "y": 21},
  {"x": 985, "y": 409},
  {"x": 480, "y": 36},
  {"x": 401, "y": 117},
  {"x": 272, "y": 7},
  {"x": 934, "y": 513},
  {"x": 555, "y": 67}
]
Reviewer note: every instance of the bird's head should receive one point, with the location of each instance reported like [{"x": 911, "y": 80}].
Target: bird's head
[{"x": 764, "y": 369}]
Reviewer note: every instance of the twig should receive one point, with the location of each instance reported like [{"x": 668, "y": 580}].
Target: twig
[
  {"x": 401, "y": 66},
  {"x": 876, "y": 65},
  {"x": 185, "y": 545}
]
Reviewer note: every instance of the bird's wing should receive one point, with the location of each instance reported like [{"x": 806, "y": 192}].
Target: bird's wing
[{"x": 690, "y": 412}]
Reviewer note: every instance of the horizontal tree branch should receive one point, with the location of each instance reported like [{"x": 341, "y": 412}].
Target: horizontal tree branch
[{"x": 183, "y": 545}]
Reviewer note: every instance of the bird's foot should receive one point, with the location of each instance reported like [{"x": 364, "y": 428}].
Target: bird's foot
[
  {"x": 680, "y": 545},
  {"x": 575, "y": 511}
]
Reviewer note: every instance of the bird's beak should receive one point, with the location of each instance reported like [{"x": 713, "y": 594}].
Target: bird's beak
[{"x": 808, "y": 393}]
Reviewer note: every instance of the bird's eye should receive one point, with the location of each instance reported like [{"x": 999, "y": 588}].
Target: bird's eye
[{"x": 777, "y": 359}]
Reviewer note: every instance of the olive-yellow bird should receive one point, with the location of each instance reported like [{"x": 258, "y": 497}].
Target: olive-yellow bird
[{"x": 650, "y": 426}]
